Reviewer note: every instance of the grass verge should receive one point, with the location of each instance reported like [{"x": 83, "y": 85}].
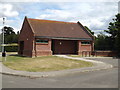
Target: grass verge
[{"x": 44, "y": 63}]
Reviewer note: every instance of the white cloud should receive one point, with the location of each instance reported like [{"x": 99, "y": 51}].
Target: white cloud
[
  {"x": 55, "y": 15},
  {"x": 119, "y": 6},
  {"x": 94, "y": 15},
  {"x": 59, "y": 0},
  {"x": 7, "y": 10}
]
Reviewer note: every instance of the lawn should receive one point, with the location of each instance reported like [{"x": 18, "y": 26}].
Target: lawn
[{"x": 44, "y": 63}]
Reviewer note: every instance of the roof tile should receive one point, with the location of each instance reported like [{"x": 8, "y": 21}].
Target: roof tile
[{"x": 57, "y": 29}]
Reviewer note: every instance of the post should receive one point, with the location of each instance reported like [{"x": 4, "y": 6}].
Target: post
[{"x": 3, "y": 50}]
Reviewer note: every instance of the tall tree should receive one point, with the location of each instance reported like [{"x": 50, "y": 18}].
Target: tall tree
[
  {"x": 114, "y": 31},
  {"x": 8, "y": 31},
  {"x": 102, "y": 42},
  {"x": 10, "y": 36}
]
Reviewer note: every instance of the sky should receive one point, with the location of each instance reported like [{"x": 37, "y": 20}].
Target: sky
[{"x": 95, "y": 15}]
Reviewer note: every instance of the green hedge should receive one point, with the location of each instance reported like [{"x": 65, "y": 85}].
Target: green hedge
[{"x": 11, "y": 48}]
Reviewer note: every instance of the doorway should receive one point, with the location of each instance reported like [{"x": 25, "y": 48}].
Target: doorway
[
  {"x": 64, "y": 46},
  {"x": 21, "y": 47}
]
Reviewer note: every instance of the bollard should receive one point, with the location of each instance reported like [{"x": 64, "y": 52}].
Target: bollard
[{"x": 3, "y": 54}]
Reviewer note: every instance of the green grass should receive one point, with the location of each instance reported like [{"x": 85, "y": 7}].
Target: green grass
[{"x": 44, "y": 63}]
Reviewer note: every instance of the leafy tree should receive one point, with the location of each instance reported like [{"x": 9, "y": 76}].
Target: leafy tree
[
  {"x": 114, "y": 31},
  {"x": 8, "y": 31},
  {"x": 89, "y": 30},
  {"x": 10, "y": 36},
  {"x": 102, "y": 42}
]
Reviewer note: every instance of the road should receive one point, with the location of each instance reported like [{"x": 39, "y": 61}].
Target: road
[{"x": 96, "y": 79}]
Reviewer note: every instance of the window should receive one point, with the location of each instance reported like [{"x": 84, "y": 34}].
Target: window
[
  {"x": 85, "y": 42},
  {"x": 41, "y": 41}
]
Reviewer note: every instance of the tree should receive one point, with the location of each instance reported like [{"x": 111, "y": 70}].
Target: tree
[
  {"x": 114, "y": 31},
  {"x": 102, "y": 42},
  {"x": 10, "y": 36},
  {"x": 8, "y": 31},
  {"x": 89, "y": 30}
]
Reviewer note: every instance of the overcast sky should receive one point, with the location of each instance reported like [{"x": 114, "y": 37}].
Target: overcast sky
[{"x": 95, "y": 15}]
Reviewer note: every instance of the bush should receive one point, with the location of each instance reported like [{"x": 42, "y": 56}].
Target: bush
[{"x": 11, "y": 48}]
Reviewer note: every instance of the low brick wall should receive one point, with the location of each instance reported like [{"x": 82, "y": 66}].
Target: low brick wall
[
  {"x": 99, "y": 53},
  {"x": 105, "y": 53}
]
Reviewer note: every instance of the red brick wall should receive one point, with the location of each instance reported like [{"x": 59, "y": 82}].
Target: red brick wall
[
  {"x": 106, "y": 53},
  {"x": 83, "y": 47},
  {"x": 43, "y": 49},
  {"x": 86, "y": 47},
  {"x": 26, "y": 35}
]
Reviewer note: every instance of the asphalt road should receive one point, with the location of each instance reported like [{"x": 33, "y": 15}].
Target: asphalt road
[{"x": 97, "y": 79}]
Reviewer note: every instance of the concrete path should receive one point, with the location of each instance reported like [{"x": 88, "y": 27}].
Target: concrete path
[{"x": 98, "y": 65}]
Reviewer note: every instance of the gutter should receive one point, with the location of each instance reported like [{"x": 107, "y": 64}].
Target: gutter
[{"x": 64, "y": 38}]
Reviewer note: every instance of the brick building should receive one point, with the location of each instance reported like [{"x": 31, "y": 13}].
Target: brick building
[{"x": 46, "y": 37}]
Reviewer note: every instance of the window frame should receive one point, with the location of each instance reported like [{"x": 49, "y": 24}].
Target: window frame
[
  {"x": 85, "y": 42},
  {"x": 41, "y": 41}
]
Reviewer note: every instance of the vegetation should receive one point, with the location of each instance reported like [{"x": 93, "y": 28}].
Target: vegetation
[
  {"x": 10, "y": 38},
  {"x": 89, "y": 30},
  {"x": 44, "y": 63},
  {"x": 114, "y": 31},
  {"x": 10, "y": 35},
  {"x": 111, "y": 41},
  {"x": 103, "y": 42}
]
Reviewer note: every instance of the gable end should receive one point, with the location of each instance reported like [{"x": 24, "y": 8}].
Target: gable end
[{"x": 86, "y": 30}]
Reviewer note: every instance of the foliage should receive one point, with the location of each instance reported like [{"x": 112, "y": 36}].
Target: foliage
[
  {"x": 10, "y": 35},
  {"x": 89, "y": 30},
  {"x": 114, "y": 31},
  {"x": 11, "y": 48},
  {"x": 102, "y": 42}
]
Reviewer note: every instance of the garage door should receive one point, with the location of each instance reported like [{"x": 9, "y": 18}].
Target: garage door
[{"x": 64, "y": 47}]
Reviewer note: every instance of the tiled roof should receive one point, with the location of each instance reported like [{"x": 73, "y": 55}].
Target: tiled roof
[{"x": 51, "y": 28}]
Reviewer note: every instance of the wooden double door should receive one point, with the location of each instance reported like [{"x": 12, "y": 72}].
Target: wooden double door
[{"x": 64, "y": 47}]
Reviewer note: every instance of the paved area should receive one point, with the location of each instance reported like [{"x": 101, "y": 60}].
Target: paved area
[
  {"x": 98, "y": 65},
  {"x": 109, "y": 60},
  {"x": 97, "y": 79}
]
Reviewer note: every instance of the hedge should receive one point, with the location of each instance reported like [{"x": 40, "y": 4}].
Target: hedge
[{"x": 11, "y": 48}]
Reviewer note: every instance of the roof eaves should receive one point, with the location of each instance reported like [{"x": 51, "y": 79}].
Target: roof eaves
[
  {"x": 64, "y": 38},
  {"x": 86, "y": 30},
  {"x": 30, "y": 24}
]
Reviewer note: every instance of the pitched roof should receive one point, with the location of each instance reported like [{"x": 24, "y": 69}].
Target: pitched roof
[{"x": 49, "y": 28}]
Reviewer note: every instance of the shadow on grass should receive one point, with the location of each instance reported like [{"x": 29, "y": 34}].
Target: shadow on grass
[{"x": 16, "y": 55}]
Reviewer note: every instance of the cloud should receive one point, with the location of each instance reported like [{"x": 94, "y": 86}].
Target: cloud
[
  {"x": 15, "y": 24},
  {"x": 119, "y": 6},
  {"x": 56, "y": 15},
  {"x": 94, "y": 15},
  {"x": 59, "y": 0},
  {"x": 6, "y": 10}
]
